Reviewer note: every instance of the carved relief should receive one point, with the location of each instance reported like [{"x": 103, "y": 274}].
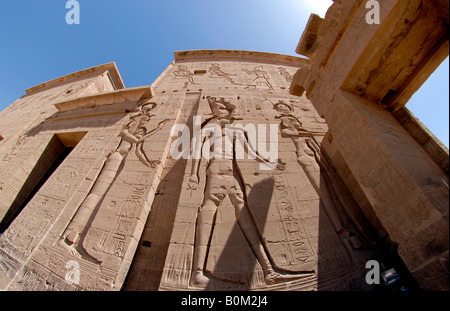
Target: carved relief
[
  {"x": 16, "y": 149},
  {"x": 32, "y": 223},
  {"x": 253, "y": 78},
  {"x": 316, "y": 166},
  {"x": 134, "y": 135},
  {"x": 74, "y": 88},
  {"x": 223, "y": 181},
  {"x": 184, "y": 73},
  {"x": 224, "y": 223},
  {"x": 260, "y": 78},
  {"x": 283, "y": 72},
  {"x": 216, "y": 72},
  {"x": 62, "y": 183},
  {"x": 294, "y": 220}
]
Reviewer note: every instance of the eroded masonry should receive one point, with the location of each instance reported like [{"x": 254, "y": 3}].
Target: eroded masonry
[{"x": 101, "y": 190}]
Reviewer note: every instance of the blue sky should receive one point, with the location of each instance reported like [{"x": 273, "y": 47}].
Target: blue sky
[{"x": 38, "y": 45}]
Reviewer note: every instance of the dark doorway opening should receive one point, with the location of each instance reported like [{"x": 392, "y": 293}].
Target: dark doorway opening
[{"x": 57, "y": 150}]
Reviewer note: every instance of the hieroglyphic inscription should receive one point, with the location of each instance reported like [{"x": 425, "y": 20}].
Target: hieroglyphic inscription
[
  {"x": 31, "y": 224},
  {"x": 126, "y": 223},
  {"x": 292, "y": 222}
]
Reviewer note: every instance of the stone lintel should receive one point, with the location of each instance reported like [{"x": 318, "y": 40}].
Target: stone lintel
[
  {"x": 107, "y": 98},
  {"x": 309, "y": 42},
  {"x": 406, "y": 49}
]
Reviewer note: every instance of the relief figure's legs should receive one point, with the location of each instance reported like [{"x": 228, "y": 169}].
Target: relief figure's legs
[
  {"x": 312, "y": 170},
  {"x": 203, "y": 232},
  {"x": 249, "y": 230},
  {"x": 100, "y": 187}
]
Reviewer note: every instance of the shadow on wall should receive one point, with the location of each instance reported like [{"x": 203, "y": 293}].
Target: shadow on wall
[
  {"x": 148, "y": 263},
  {"x": 347, "y": 242},
  {"x": 230, "y": 256},
  {"x": 147, "y": 267}
]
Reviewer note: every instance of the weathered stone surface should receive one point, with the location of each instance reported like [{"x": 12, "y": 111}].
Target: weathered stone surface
[
  {"x": 378, "y": 146},
  {"x": 234, "y": 170},
  {"x": 122, "y": 198}
]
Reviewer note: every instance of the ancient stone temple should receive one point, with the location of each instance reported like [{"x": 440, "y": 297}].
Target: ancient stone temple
[{"x": 234, "y": 170}]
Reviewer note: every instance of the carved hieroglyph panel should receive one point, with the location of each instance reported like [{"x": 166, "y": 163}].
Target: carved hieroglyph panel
[
  {"x": 272, "y": 228},
  {"x": 148, "y": 262},
  {"x": 102, "y": 237},
  {"x": 231, "y": 225},
  {"x": 42, "y": 102},
  {"x": 228, "y": 75},
  {"x": 30, "y": 227}
]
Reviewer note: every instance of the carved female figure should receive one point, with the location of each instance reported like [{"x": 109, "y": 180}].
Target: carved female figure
[
  {"x": 222, "y": 180},
  {"x": 134, "y": 133},
  {"x": 311, "y": 159}
]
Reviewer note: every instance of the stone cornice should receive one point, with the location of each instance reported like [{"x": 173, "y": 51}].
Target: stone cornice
[
  {"x": 237, "y": 55},
  {"x": 111, "y": 68},
  {"x": 107, "y": 98}
]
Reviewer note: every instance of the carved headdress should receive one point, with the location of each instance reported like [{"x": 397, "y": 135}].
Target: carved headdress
[{"x": 283, "y": 107}]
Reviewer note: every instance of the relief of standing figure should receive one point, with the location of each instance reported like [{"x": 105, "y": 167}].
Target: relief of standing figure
[
  {"x": 183, "y": 72},
  {"x": 133, "y": 134},
  {"x": 216, "y": 72},
  {"x": 260, "y": 77},
  {"x": 311, "y": 159},
  {"x": 222, "y": 180}
]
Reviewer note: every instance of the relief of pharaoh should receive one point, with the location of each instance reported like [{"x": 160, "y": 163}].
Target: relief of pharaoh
[{"x": 222, "y": 180}]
